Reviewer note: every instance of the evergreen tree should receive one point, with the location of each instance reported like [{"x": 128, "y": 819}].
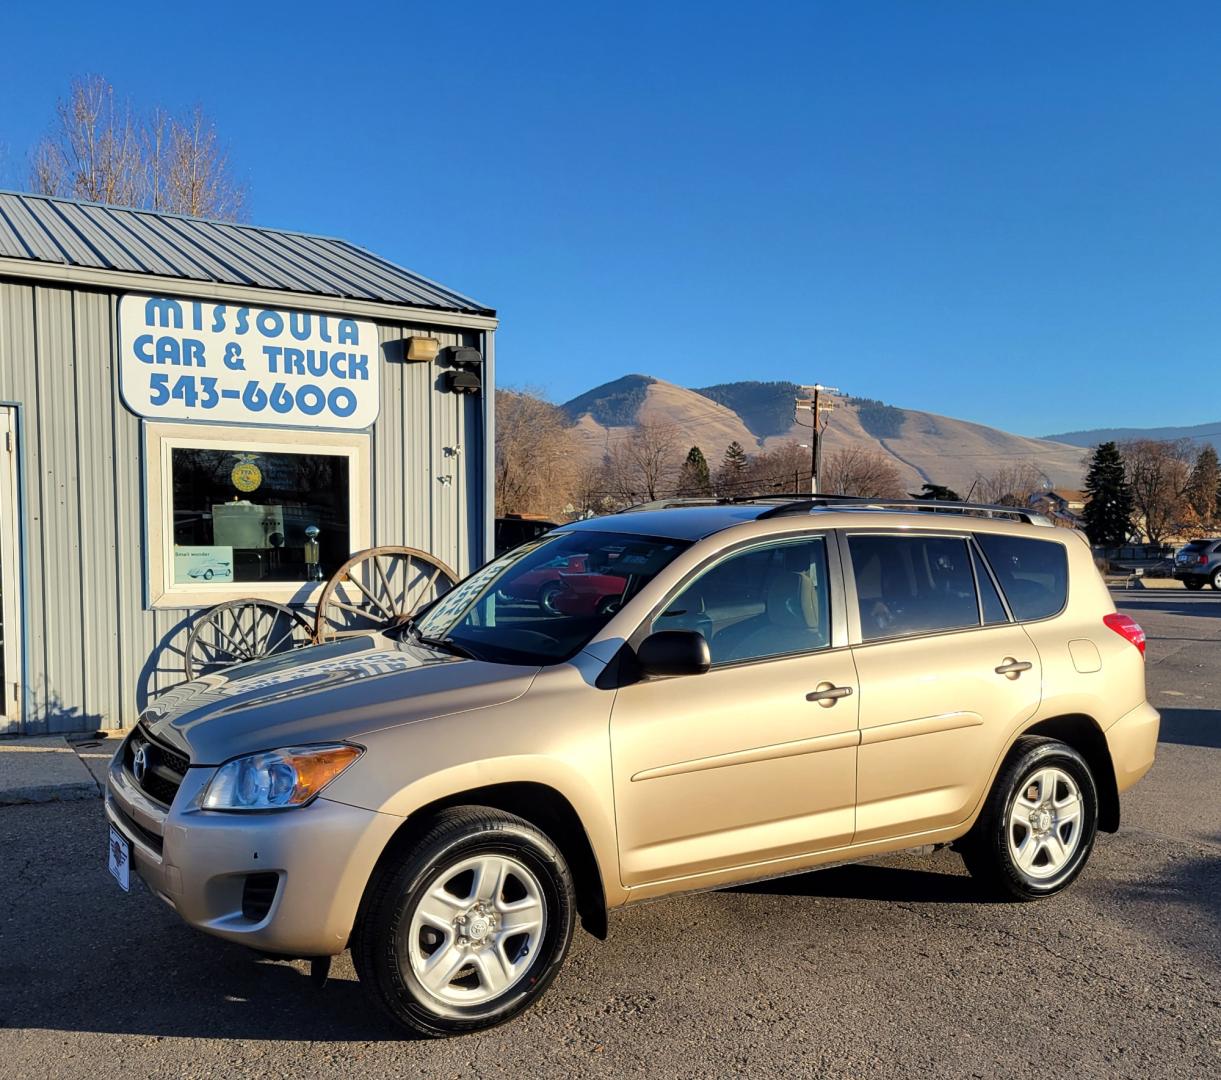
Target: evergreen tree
[
  {"x": 937, "y": 492},
  {"x": 694, "y": 478},
  {"x": 733, "y": 469},
  {"x": 1204, "y": 485},
  {"x": 735, "y": 457},
  {"x": 1108, "y": 512}
]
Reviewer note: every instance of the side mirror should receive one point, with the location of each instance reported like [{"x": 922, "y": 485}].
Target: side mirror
[{"x": 674, "y": 652}]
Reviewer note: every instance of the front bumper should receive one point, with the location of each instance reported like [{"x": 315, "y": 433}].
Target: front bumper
[
  {"x": 1132, "y": 741},
  {"x": 198, "y": 862}
]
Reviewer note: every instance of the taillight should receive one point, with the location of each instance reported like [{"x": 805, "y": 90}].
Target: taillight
[
  {"x": 1202, "y": 560},
  {"x": 1127, "y": 627}
]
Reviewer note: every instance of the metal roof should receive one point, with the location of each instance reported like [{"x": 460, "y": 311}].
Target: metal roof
[{"x": 67, "y": 232}]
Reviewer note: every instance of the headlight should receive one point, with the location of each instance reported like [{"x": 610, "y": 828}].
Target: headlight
[{"x": 277, "y": 778}]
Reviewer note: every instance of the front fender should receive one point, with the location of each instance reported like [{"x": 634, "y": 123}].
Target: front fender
[{"x": 556, "y": 735}]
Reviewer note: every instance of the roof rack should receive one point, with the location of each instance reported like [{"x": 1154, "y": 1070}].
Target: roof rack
[
  {"x": 803, "y": 504},
  {"x": 787, "y": 503},
  {"x": 674, "y": 503}
]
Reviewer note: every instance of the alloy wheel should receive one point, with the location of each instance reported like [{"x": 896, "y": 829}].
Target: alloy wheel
[
  {"x": 1044, "y": 823},
  {"x": 475, "y": 932}
]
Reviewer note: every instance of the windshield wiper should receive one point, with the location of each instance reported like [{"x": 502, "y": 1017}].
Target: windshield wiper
[{"x": 448, "y": 645}]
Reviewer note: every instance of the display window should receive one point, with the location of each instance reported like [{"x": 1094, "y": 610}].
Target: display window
[{"x": 236, "y": 512}]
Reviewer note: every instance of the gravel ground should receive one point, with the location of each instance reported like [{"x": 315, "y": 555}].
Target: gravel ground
[{"x": 891, "y": 969}]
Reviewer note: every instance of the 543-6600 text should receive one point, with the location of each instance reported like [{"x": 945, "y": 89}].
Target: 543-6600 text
[{"x": 203, "y": 391}]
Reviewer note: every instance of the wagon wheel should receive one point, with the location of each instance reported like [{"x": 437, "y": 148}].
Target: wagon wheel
[
  {"x": 241, "y": 630},
  {"x": 378, "y": 588}
]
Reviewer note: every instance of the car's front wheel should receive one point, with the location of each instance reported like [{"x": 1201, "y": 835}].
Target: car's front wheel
[
  {"x": 1038, "y": 825},
  {"x": 548, "y": 595},
  {"x": 469, "y": 927}
]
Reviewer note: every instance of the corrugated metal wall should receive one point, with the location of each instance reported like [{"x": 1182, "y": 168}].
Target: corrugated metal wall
[{"x": 93, "y": 655}]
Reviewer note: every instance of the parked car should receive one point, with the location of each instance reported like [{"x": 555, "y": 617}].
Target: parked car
[
  {"x": 543, "y": 585},
  {"x": 514, "y": 529},
  {"x": 781, "y": 685},
  {"x": 1198, "y": 563}
]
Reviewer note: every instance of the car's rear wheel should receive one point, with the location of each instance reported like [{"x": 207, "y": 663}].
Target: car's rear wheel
[
  {"x": 1216, "y": 578},
  {"x": 469, "y": 927},
  {"x": 1195, "y": 583},
  {"x": 1038, "y": 825}
]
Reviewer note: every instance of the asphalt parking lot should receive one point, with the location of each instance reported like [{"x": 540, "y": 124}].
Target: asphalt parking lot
[{"x": 891, "y": 969}]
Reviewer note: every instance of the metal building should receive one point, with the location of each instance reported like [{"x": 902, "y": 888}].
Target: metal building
[{"x": 179, "y": 401}]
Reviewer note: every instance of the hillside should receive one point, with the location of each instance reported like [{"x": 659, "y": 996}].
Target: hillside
[
  {"x": 1200, "y": 434},
  {"x": 924, "y": 446}
]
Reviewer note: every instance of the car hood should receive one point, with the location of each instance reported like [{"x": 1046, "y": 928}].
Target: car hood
[{"x": 325, "y": 692}]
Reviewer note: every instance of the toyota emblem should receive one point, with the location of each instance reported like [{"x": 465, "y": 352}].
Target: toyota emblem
[{"x": 139, "y": 762}]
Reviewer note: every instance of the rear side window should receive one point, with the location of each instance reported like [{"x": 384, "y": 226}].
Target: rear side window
[
  {"x": 1033, "y": 574},
  {"x": 913, "y": 584}
]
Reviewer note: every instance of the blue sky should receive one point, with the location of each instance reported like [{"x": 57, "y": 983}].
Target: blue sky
[{"x": 1006, "y": 212}]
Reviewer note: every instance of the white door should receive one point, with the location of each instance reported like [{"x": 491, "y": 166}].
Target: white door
[{"x": 10, "y": 578}]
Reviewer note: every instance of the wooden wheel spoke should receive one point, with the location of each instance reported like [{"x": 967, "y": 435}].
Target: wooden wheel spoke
[
  {"x": 377, "y": 565},
  {"x": 362, "y": 612},
  {"x": 372, "y": 599}
]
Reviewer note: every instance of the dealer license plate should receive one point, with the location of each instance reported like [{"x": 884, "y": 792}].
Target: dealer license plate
[{"x": 119, "y": 859}]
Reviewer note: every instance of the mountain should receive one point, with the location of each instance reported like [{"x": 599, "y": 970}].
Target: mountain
[
  {"x": 1200, "y": 434},
  {"x": 925, "y": 447}
]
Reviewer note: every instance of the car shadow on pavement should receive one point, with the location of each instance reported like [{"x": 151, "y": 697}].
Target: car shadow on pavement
[
  {"x": 1191, "y": 727},
  {"x": 871, "y": 881}
]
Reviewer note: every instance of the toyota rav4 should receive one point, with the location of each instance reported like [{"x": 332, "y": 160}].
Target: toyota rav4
[{"x": 781, "y": 684}]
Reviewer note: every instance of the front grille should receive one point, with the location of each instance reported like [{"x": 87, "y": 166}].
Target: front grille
[
  {"x": 150, "y": 840},
  {"x": 258, "y": 894},
  {"x": 160, "y": 772}
]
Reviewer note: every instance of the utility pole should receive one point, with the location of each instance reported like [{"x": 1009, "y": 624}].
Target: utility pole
[{"x": 817, "y": 404}]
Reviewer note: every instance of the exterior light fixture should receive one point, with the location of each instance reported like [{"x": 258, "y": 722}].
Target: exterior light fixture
[{"x": 423, "y": 349}]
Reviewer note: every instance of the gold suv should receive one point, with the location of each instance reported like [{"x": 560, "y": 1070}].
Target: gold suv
[{"x": 634, "y": 706}]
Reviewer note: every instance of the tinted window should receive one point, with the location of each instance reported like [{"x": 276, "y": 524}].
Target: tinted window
[
  {"x": 989, "y": 598},
  {"x": 542, "y": 602},
  {"x": 768, "y": 601},
  {"x": 913, "y": 584},
  {"x": 1033, "y": 574}
]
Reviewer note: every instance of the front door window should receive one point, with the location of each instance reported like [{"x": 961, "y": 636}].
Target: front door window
[{"x": 767, "y": 601}]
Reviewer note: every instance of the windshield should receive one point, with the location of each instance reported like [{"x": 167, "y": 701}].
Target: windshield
[{"x": 541, "y": 602}]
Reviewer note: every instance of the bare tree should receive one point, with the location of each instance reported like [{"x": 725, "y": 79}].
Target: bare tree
[
  {"x": 644, "y": 464},
  {"x": 94, "y": 151},
  {"x": 784, "y": 468},
  {"x": 1157, "y": 473},
  {"x": 1010, "y": 485},
  {"x": 862, "y": 471},
  {"x": 190, "y": 173},
  {"x": 537, "y": 456},
  {"x": 99, "y": 150}
]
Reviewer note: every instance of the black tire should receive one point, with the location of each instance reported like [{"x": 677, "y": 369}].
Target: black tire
[
  {"x": 1216, "y": 579},
  {"x": 547, "y": 595},
  {"x": 381, "y": 940},
  {"x": 986, "y": 849},
  {"x": 1195, "y": 583}
]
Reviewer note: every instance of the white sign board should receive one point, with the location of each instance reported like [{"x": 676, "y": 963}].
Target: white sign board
[
  {"x": 212, "y": 563},
  {"x": 194, "y": 360}
]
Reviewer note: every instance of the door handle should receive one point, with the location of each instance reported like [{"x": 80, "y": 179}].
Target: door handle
[
  {"x": 1011, "y": 668},
  {"x": 827, "y": 694}
]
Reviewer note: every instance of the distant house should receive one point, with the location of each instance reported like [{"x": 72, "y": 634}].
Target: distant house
[{"x": 1062, "y": 505}]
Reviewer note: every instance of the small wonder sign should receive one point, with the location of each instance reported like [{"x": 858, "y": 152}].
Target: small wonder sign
[{"x": 223, "y": 363}]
